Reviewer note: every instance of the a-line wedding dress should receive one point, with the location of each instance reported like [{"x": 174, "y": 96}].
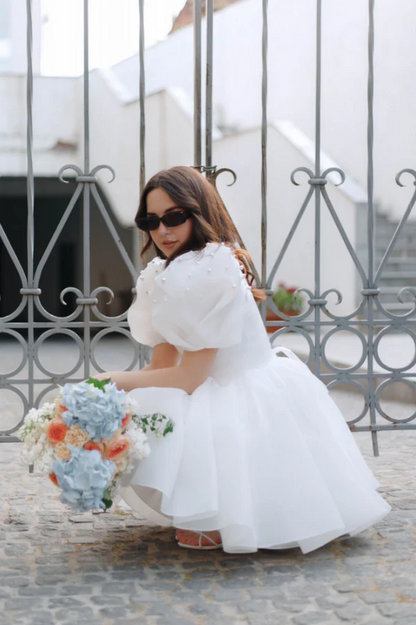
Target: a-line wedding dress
[{"x": 259, "y": 451}]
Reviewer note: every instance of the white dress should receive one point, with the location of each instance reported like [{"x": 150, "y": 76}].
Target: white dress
[{"x": 259, "y": 450}]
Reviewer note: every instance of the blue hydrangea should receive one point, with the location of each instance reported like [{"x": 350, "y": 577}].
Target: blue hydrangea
[
  {"x": 98, "y": 411},
  {"x": 84, "y": 478}
]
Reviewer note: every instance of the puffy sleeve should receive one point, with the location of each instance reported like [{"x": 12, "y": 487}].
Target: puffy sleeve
[
  {"x": 139, "y": 315},
  {"x": 198, "y": 301}
]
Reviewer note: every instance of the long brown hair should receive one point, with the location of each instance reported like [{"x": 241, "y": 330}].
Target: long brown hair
[{"x": 189, "y": 189}]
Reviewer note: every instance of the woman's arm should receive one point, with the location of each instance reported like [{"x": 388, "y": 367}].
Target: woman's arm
[
  {"x": 164, "y": 355},
  {"x": 191, "y": 373}
]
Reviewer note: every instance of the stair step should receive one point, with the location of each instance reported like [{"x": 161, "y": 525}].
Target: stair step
[
  {"x": 399, "y": 275},
  {"x": 398, "y": 306},
  {"x": 400, "y": 267},
  {"x": 402, "y": 259},
  {"x": 391, "y": 290}
]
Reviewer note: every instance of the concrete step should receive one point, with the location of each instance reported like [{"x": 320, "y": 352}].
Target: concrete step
[
  {"x": 406, "y": 265},
  {"x": 404, "y": 276},
  {"x": 397, "y": 307},
  {"x": 401, "y": 248},
  {"x": 390, "y": 290}
]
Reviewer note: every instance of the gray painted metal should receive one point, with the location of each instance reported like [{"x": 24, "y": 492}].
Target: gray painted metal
[
  {"x": 142, "y": 97},
  {"x": 87, "y": 316},
  {"x": 197, "y": 84},
  {"x": 208, "y": 91},
  {"x": 370, "y": 321},
  {"x": 264, "y": 145},
  {"x": 370, "y": 314}
]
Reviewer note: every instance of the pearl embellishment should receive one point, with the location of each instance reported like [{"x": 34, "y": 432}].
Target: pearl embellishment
[
  {"x": 163, "y": 279},
  {"x": 209, "y": 270}
]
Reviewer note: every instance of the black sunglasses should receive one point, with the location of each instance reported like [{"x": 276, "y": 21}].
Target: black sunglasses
[{"x": 170, "y": 220}]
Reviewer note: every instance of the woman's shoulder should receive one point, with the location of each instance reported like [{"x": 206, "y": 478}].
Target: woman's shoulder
[
  {"x": 150, "y": 272},
  {"x": 211, "y": 254},
  {"x": 213, "y": 260},
  {"x": 213, "y": 267}
]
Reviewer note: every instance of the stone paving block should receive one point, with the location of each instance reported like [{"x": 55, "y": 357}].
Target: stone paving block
[
  {"x": 379, "y": 596},
  {"x": 72, "y": 589},
  {"x": 74, "y": 614},
  {"x": 83, "y": 540},
  {"x": 134, "y": 573},
  {"x": 119, "y": 588},
  {"x": 64, "y": 602},
  {"x": 50, "y": 580},
  {"x": 354, "y": 612},
  {"x": 254, "y": 606},
  {"x": 313, "y": 618},
  {"x": 105, "y": 600},
  {"x": 176, "y": 621},
  {"x": 226, "y": 620},
  {"x": 202, "y": 609},
  {"x": 15, "y": 582},
  {"x": 268, "y": 619},
  {"x": 293, "y": 605},
  {"x": 331, "y": 601},
  {"x": 268, "y": 593},
  {"x": 36, "y": 591},
  {"x": 236, "y": 583},
  {"x": 397, "y": 610},
  {"x": 32, "y": 618}
]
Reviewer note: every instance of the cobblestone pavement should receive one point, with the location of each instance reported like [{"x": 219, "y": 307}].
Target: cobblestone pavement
[{"x": 56, "y": 567}]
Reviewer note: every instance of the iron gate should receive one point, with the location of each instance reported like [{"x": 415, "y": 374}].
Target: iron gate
[{"x": 369, "y": 322}]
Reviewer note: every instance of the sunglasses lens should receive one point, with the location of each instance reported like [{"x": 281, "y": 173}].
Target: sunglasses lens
[
  {"x": 148, "y": 223},
  {"x": 170, "y": 220},
  {"x": 175, "y": 219}
]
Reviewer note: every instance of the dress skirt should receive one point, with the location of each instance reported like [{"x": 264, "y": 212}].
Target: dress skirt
[{"x": 266, "y": 459}]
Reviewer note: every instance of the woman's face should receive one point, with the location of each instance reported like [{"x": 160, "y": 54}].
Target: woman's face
[{"x": 167, "y": 239}]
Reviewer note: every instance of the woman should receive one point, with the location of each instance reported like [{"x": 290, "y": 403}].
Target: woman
[{"x": 260, "y": 456}]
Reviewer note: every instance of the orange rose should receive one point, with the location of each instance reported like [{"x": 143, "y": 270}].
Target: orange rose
[
  {"x": 59, "y": 409},
  {"x": 117, "y": 447},
  {"x": 56, "y": 430},
  {"x": 90, "y": 446},
  {"x": 125, "y": 421},
  {"x": 53, "y": 478}
]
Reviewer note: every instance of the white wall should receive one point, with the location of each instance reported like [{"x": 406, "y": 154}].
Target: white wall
[
  {"x": 16, "y": 62},
  {"x": 56, "y": 118},
  {"x": 284, "y": 202},
  {"x": 237, "y": 78},
  {"x": 169, "y": 135},
  {"x": 115, "y": 140}
]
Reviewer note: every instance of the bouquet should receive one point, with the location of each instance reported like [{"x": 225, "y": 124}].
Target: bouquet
[{"x": 88, "y": 440}]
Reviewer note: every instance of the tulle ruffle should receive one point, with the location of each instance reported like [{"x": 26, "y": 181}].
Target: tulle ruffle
[{"x": 267, "y": 459}]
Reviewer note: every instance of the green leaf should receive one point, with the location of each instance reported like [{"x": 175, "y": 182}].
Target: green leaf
[
  {"x": 98, "y": 383},
  {"x": 168, "y": 428},
  {"x": 107, "y": 501}
]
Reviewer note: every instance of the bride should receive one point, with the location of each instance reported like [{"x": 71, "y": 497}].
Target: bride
[{"x": 260, "y": 456}]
